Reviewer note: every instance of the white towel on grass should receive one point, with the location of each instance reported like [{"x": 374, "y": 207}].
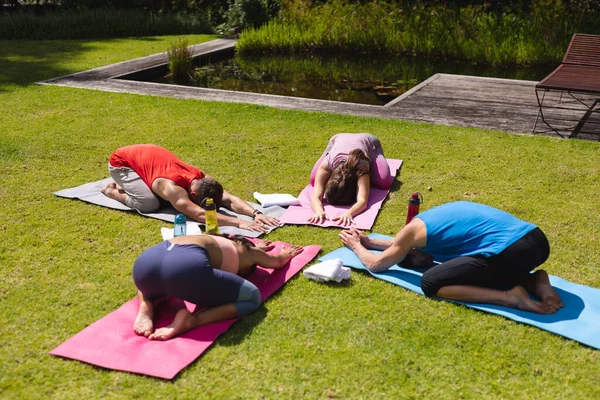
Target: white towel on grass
[
  {"x": 330, "y": 270},
  {"x": 191, "y": 228},
  {"x": 276, "y": 199}
]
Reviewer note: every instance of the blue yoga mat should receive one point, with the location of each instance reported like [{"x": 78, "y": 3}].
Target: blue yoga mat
[{"x": 578, "y": 320}]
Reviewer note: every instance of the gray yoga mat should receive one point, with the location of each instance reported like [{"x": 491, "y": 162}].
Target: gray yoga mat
[{"x": 91, "y": 193}]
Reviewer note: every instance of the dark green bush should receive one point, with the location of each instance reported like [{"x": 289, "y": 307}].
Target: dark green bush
[{"x": 97, "y": 23}]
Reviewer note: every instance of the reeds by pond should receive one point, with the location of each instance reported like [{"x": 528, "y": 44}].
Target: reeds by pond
[{"x": 473, "y": 33}]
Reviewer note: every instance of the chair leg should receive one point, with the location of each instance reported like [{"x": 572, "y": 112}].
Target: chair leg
[
  {"x": 583, "y": 120},
  {"x": 539, "y": 110}
]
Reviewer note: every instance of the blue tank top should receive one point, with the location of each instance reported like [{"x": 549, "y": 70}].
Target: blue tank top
[{"x": 468, "y": 229}]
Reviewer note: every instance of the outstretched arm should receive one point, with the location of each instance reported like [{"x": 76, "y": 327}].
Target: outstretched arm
[
  {"x": 180, "y": 200},
  {"x": 412, "y": 235},
  {"x": 370, "y": 243},
  {"x": 274, "y": 261},
  {"x": 240, "y": 206},
  {"x": 316, "y": 201}
]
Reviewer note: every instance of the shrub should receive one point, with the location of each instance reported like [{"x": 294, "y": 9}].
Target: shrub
[{"x": 97, "y": 23}]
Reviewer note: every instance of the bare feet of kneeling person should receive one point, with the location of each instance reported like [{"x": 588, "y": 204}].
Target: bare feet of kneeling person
[
  {"x": 110, "y": 189},
  {"x": 184, "y": 321},
  {"x": 143, "y": 325},
  {"x": 539, "y": 285},
  {"x": 518, "y": 297}
]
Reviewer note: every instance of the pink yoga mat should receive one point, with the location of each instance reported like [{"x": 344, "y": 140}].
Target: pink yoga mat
[
  {"x": 111, "y": 342},
  {"x": 299, "y": 215}
]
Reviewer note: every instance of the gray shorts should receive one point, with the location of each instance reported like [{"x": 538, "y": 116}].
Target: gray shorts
[{"x": 139, "y": 196}]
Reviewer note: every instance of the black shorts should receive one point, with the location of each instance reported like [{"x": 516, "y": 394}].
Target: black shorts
[{"x": 507, "y": 268}]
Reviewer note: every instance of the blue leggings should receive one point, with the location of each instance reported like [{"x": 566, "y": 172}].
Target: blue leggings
[{"x": 184, "y": 271}]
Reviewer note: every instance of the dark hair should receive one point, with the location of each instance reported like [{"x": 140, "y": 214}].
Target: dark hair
[
  {"x": 247, "y": 245},
  {"x": 208, "y": 187},
  {"x": 341, "y": 188},
  {"x": 417, "y": 259}
]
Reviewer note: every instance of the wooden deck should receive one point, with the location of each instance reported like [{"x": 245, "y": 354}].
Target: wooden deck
[{"x": 455, "y": 100}]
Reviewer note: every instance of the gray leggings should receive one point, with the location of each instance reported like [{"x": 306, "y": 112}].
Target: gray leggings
[{"x": 139, "y": 196}]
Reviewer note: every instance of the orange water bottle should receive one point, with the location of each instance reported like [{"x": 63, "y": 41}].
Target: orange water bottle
[{"x": 414, "y": 202}]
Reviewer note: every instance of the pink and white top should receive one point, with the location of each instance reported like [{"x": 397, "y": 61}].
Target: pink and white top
[
  {"x": 342, "y": 144},
  {"x": 230, "y": 259}
]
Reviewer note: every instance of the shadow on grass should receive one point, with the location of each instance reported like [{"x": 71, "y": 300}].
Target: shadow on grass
[
  {"x": 397, "y": 185},
  {"x": 147, "y": 39}
]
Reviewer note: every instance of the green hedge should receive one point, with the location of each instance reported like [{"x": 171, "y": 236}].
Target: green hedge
[{"x": 98, "y": 23}]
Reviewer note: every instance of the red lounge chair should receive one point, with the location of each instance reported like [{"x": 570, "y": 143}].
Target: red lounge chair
[{"x": 578, "y": 76}]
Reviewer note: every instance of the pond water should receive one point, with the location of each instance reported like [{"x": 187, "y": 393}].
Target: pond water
[{"x": 365, "y": 80}]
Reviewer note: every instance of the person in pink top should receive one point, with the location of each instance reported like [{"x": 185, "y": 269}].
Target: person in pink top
[
  {"x": 205, "y": 270},
  {"x": 145, "y": 173},
  {"x": 349, "y": 166}
]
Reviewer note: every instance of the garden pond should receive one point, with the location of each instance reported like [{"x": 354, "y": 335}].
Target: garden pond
[{"x": 355, "y": 79}]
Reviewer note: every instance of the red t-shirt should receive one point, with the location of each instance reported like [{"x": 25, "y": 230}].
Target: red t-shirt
[{"x": 151, "y": 162}]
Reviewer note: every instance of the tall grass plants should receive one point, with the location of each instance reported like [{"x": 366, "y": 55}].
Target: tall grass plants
[
  {"x": 180, "y": 61},
  {"x": 473, "y": 33}
]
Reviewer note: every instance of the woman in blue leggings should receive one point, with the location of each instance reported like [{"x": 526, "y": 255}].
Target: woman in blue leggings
[
  {"x": 204, "y": 270},
  {"x": 480, "y": 249}
]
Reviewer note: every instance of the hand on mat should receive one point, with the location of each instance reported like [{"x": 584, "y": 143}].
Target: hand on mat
[
  {"x": 292, "y": 251},
  {"x": 364, "y": 239},
  {"x": 352, "y": 237},
  {"x": 265, "y": 220},
  {"x": 265, "y": 245},
  {"x": 345, "y": 219},
  {"x": 252, "y": 226},
  {"x": 318, "y": 217}
]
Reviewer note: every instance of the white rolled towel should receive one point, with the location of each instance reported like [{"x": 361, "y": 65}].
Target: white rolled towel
[
  {"x": 329, "y": 270},
  {"x": 276, "y": 199}
]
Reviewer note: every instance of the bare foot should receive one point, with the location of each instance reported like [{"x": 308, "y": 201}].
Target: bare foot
[
  {"x": 143, "y": 325},
  {"x": 109, "y": 189},
  {"x": 539, "y": 285},
  {"x": 182, "y": 323},
  {"x": 518, "y": 297}
]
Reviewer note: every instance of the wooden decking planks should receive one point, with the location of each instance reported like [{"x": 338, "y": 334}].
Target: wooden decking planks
[{"x": 455, "y": 100}]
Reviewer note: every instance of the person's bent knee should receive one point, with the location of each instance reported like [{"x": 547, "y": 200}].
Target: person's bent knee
[
  {"x": 386, "y": 182},
  {"x": 145, "y": 206},
  {"x": 249, "y": 299},
  {"x": 429, "y": 286}
]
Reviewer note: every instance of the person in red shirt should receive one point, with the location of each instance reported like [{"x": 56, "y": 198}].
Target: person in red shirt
[{"x": 146, "y": 173}]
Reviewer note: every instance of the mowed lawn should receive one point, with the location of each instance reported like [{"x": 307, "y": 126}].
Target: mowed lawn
[{"x": 65, "y": 264}]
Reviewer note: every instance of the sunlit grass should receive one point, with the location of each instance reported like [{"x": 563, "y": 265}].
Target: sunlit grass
[{"x": 65, "y": 263}]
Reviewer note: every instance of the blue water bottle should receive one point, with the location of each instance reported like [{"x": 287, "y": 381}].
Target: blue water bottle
[{"x": 180, "y": 226}]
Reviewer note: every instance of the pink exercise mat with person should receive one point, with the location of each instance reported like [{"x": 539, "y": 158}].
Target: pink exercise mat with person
[{"x": 344, "y": 174}]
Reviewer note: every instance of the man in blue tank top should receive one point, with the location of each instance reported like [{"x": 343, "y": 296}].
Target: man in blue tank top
[{"x": 479, "y": 249}]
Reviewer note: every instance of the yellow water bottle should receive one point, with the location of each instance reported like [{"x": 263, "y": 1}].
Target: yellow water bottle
[{"x": 210, "y": 213}]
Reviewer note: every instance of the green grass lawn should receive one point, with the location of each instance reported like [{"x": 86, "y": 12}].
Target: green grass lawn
[{"x": 65, "y": 264}]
